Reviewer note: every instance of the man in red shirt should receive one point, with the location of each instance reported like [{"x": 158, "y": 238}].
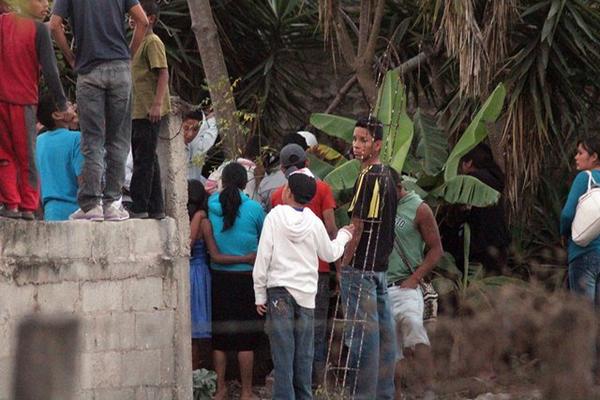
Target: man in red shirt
[
  {"x": 292, "y": 158},
  {"x": 25, "y": 46}
]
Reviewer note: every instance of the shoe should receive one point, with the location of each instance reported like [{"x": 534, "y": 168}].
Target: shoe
[
  {"x": 94, "y": 214},
  {"x": 158, "y": 215},
  {"x": 115, "y": 212},
  {"x": 140, "y": 215},
  {"x": 28, "y": 215},
  {"x": 12, "y": 213}
]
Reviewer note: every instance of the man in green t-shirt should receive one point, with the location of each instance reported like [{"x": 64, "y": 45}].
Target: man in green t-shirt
[
  {"x": 417, "y": 249},
  {"x": 151, "y": 103}
]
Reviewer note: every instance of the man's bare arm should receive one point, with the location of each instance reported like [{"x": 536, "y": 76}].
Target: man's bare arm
[
  {"x": 141, "y": 25},
  {"x": 58, "y": 33},
  {"x": 353, "y": 244}
]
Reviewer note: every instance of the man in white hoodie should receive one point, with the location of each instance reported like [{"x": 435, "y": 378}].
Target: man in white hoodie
[{"x": 285, "y": 282}]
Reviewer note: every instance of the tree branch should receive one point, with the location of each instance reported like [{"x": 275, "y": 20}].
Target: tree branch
[
  {"x": 410, "y": 65},
  {"x": 343, "y": 38},
  {"x": 363, "y": 27},
  {"x": 341, "y": 94},
  {"x": 376, "y": 27}
]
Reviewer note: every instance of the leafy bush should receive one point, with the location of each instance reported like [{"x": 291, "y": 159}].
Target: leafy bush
[{"x": 205, "y": 384}]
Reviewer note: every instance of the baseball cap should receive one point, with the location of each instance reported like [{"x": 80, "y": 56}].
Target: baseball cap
[
  {"x": 303, "y": 185},
  {"x": 311, "y": 140},
  {"x": 291, "y": 155}
]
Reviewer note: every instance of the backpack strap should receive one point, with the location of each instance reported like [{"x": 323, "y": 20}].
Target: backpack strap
[{"x": 591, "y": 180}]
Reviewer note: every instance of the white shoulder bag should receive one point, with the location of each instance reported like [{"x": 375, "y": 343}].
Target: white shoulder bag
[{"x": 586, "y": 224}]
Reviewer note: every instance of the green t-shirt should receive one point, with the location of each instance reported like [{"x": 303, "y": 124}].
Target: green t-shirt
[
  {"x": 150, "y": 57},
  {"x": 408, "y": 236}
]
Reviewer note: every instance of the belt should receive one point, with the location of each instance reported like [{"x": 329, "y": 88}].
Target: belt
[{"x": 397, "y": 283}]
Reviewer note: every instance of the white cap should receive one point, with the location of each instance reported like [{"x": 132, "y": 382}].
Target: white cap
[{"x": 311, "y": 140}]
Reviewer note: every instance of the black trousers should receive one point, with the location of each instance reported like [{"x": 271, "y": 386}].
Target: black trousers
[{"x": 146, "y": 189}]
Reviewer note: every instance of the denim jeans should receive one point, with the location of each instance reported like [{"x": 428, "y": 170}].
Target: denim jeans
[
  {"x": 321, "y": 314},
  {"x": 104, "y": 103},
  {"x": 290, "y": 330},
  {"x": 371, "y": 338},
  {"x": 584, "y": 276},
  {"x": 146, "y": 189}
]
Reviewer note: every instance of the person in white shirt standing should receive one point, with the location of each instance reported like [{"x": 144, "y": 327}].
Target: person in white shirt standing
[{"x": 285, "y": 282}]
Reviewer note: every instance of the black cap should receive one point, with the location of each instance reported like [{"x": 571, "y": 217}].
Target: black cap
[
  {"x": 290, "y": 156},
  {"x": 302, "y": 186}
]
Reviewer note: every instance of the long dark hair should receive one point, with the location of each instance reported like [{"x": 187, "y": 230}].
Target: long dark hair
[
  {"x": 591, "y": 144},
  {"x": 234, "y": 179},
  {"x": 482, "y": 158},
  {"x": 197, "y": 197}
]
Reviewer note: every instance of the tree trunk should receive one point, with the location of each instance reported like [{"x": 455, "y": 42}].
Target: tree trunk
[{"x": 217, "y": 77}]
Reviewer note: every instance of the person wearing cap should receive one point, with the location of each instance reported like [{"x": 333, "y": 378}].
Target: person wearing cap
[
  {"x": 372, "y": 344},
  {"x": 293, "y": 157},
  {"x": 286, "y": 278}
]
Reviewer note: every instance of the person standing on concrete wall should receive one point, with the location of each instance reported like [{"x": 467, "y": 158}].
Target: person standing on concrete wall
[
  {"x": 102, "y": 61},
  {"x": 25, "y": 46}
]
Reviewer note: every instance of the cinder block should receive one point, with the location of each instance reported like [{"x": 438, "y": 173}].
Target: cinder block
[
  {"x": 6, "y": 378},
  {"x": 143, "y": 294},
  {"x": 153, "y": 241},
  {"x": 24, "y": 239},
  {"x": 167, "y": 367},
  {"x": 16, "y": 301},
  {"x": 154, "y": 329},
  {"x": 101, "y": 370},
  {"x": 70, "y": 240},
  {"x": 115, "y": 241},
  {"x": 104, "y": 296},
  {"x": 141, "y": 368},
  {"x": 59, "y": 297},
  {"x": 153, "y": 393},
  {"x": 109, "y": 332},
  {"x": 114, "y": 394}
]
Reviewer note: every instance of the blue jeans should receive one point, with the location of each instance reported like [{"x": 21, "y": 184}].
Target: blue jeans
[
  {"x": 104, "y": 104},
  {"x": 584, "y": 276},
  {"x": 290, "y": 330},
  {"x": 321, "y": 313},
  {"x": 372, "y": 343}
]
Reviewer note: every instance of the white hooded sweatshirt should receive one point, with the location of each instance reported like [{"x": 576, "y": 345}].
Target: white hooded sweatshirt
[{"x": 289, "y": 249}]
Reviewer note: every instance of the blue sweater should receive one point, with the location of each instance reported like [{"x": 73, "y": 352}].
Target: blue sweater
[
  {"x": 579, "y": 187},
  {"x": 242, "y": 237}
]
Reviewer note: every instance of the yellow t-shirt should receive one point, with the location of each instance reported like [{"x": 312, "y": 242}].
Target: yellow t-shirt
[{"x": 150, "y": 57}]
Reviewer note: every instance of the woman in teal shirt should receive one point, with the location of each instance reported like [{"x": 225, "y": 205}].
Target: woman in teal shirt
[
  {"x": 236, "y": 221},
  {"x": 584, "y": 262}
]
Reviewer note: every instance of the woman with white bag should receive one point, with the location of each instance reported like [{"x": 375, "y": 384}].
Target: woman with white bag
[{"x": 580, "y": 221}]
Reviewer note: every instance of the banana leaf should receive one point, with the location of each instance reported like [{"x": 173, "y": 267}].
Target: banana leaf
[
  {"x": 318, "y": 167},
  {"x": 341, "y": 215},
  {"x": 476, "y": 131},
  {"x": 342, "y": 180},
  {"x": 398, "y": 128},
  {"x": 334, "y": 125},
  {"x": 433, "y": 144},
  {"x": 468, "y": 190}
]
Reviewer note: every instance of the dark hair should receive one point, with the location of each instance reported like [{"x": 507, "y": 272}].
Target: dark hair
[
  {"x": 294, "y": 138},
  {"x": 591, "y": 144},
  {"x": 396, "y": 178},
  {"x": 195, "y": 114},
  {"x": 46, "y": 106},
  {"x": 482, "y": 158},
  {"x": 234, "y": 179},
  {"x": 150, "y": 7},
  {"x": 371, "y": 124},
  {"x": 197, "y": 197},
  {"x": 303, "y": 187}
]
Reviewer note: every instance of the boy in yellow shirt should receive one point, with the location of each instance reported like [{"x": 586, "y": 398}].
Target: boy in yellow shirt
[{"x": 151, "y": 103}]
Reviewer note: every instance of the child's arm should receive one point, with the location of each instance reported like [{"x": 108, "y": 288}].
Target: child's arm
[
  {"x": 161, "y": 90},
  {"x": 261, "y": 266},
  {"x": 195, "y": 226},
  {"x": 330, "y": 250},
  {"x": 141, "y": 25},
  {"x": 213, "y": 250}
]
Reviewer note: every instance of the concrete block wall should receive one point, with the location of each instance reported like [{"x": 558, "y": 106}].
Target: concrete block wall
[{"x": 127, "y": 282}]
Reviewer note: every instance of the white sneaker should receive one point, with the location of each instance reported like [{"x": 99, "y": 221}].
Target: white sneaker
[
  {"x": 95, "y": 214},
  {"x": 115, "y": 212}
]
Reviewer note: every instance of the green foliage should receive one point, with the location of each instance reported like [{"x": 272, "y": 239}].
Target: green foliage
[
  {"x": 342, "y": 180},
  {"x": 319, "y": 167},
  {"x": 204, "y": 384},
  {"x": 432, "y": 148},
  {"x": 476, "y": 131},
  {"x": 334, "y": 125},
  {"x": 466, "y": 189}
]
